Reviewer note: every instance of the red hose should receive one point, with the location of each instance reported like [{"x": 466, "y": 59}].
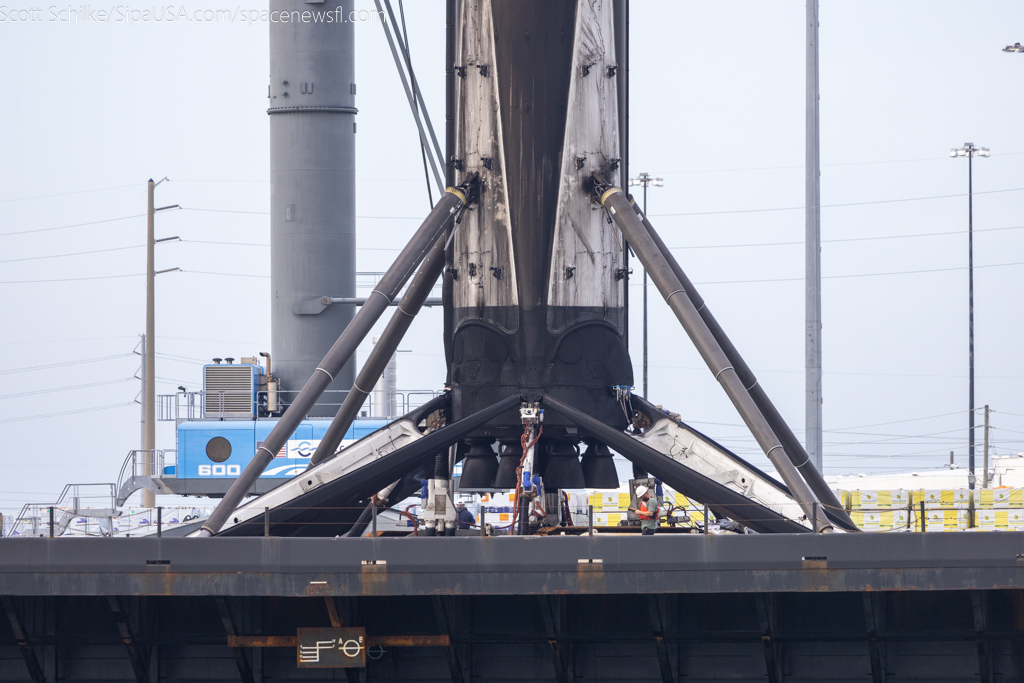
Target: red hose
[{"x": 415, "y": 522}]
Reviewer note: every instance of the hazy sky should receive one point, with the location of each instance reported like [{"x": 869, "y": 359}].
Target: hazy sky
[{"x": 93, "y": 110}]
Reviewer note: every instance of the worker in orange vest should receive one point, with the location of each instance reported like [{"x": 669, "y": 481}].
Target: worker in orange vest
[{"x": 647, "y": 512}]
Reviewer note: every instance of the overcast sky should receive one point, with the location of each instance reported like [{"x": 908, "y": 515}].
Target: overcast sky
[{"x": 91, "y": 111}]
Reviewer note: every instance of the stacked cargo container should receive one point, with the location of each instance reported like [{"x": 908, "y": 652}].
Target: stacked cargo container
[{"x": 957, "y": 509}]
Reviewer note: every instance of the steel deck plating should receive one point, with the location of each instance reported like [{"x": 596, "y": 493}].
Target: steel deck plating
[{"x": 602, "y": 564}]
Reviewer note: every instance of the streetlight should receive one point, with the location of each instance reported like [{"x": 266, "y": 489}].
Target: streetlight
[
  {"x": 969, "y": 150},
  {"x": 1016, "y": 47},
  {"x": 644, "y": 180}
]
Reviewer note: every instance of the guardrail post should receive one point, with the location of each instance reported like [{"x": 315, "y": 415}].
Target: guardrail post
[
  {"x": 373, "y": 512},
  {"x": 706, "y": 519},
  {"x": 483, "y": 520},
  {"x": 266, "y": 521},
  {"x": 923, "y": 518},
  {"x": 51, "y": 521},
  {"x": 159, "y": 522},
  {"x": 590, "y": 520}
]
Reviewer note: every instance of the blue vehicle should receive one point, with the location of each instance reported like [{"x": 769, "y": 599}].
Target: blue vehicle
[{"x": 212, "y": 453}]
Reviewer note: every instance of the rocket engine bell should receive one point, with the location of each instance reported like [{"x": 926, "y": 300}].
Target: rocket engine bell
[{"x": 538, "y": 273}]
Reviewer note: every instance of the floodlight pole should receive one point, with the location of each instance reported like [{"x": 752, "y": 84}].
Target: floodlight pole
[
  {"x": 644, "y": 180},
  {"x": 969, "y": 150},
  {"x": 970, "y": 306},
  {"x": 812, "y": 242},
  {"x": 646, "y": 392}
]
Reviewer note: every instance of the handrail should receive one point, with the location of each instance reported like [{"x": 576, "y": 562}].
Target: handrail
[{"x": 190, "y": 405}]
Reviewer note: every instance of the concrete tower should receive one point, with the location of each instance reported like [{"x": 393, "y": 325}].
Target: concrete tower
[{"x": 312, "y": 191}]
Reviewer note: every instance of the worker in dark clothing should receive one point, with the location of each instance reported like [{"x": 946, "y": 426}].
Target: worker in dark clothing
[
  {"x": 647, "y": 511},
  {"x": 466, "y": 518}
]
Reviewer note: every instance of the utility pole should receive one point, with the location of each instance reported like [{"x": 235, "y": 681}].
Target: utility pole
[
  {"x": 149, "y": 399},
  {"x": 984, "y": 474},
  {"x": 149, "y": 342},
  {"x": 645, "y": 179},
  {"x": 812, "y": 246},
  {"x": 969, "y": 150},
  {"x": 142, "y": 391}
]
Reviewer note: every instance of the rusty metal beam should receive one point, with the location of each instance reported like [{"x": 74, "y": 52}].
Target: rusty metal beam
[
  {"x": 771, "y": 648},
  {"x": 135, "y": 654},
  {"x": 979, "y": 601},
  {"x": 658, "y": 628},
  {"x": 371, "y": 641},
  {"x": 241, "y": 661},
  {"x": 332, "y": 611},
  {"x": 871, "y": 616},
  {"x": 445, "y": 625},
  {"x": 35, "y": 671},
  {"x": 551, "y": 631},
  {"x": 351, "y": 675}
]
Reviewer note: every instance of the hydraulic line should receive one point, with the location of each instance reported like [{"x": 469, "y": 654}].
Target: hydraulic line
[
  {"x": 519, "y": 470},
  {"x": 366, "y": 516},
  {"x": 619, "y": 210},
  {"x": 382, "y": 352},
  {"x": 797, "y": 455},
  {"x": 453, "y": 200}
]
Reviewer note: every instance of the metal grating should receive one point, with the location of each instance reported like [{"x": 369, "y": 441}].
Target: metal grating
[{"x": 227, "y": 391}]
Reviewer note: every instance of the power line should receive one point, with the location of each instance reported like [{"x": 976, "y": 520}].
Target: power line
[
  {"x": 65, "y": 194},
  {"x": 391, "y": 180},
  {"x": 79, "y": 225},
  {"x": 219, "y": 341},
  {"x": 64, "y": 364},
  {"x": 238, "y": 244},
  {"x": 171, "y": 380},
  {"x": 65, "y": 341},
  {"x": 258, "y": 244},
  {"x": 1004, "y": 429},
  {"x": 843, "y": 277},
  {"x": 896, "y": 422},
  {"x": 889, "y": 438},
  {"x": 76, "y": 386},
  {"x": 219, "y": 180},
  {"x": 267, "y": 213},
  {"x": 180, "y": 360},
  {"x": 235, "y": 274},
  {"x": 713, "y": 282},
  {"x": 802, "y": 166},
  {"x": 254, "y": 213},
  {"x": 701, "y": 213},
  {"x": 844, "y": 239},
  {"x": 75, "y": 279},
  {"x": 77, "y": 253},
  {"x": 848, "y": 374},
  {"x": 67, "y": 412},
  {"x": 833, "y": 206},
  {"x": 701, "y": 246}
]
